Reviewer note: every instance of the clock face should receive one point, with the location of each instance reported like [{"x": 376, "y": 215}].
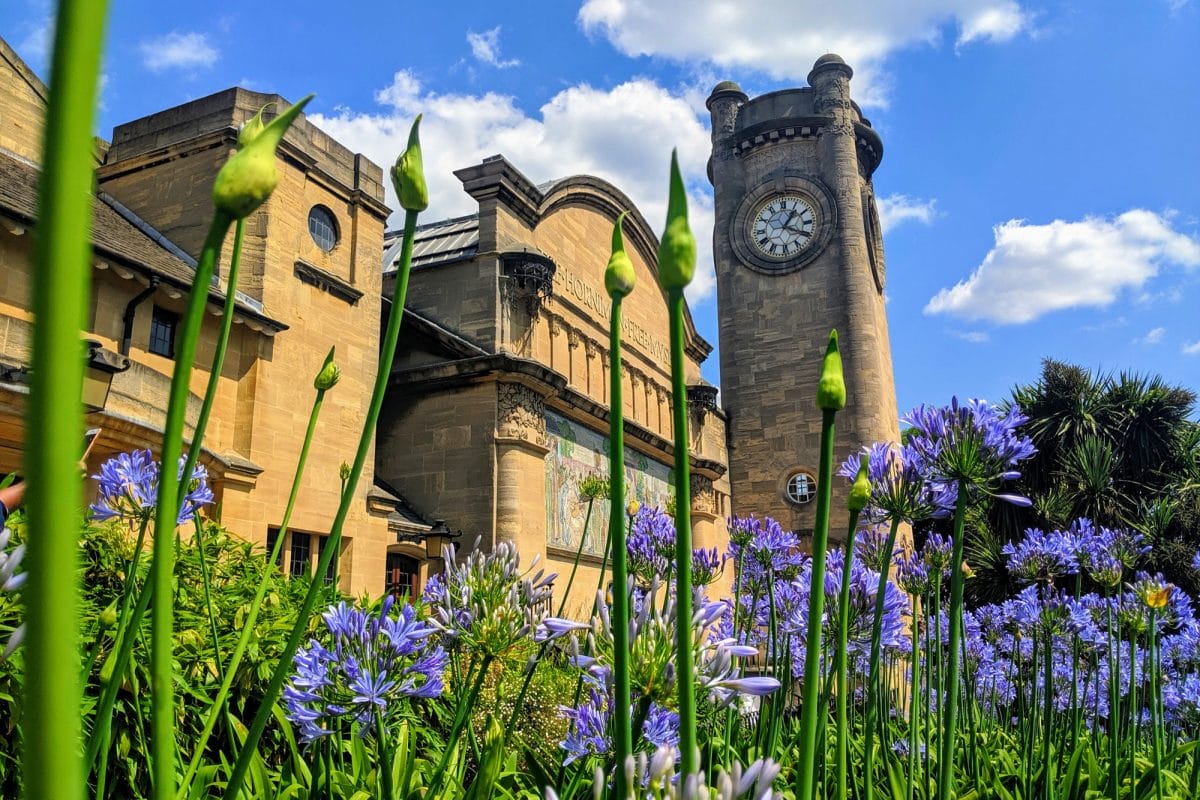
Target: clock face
[{"x": 783, "y": 226}]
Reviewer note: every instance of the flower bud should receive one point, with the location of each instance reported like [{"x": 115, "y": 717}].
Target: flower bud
[
  {"x": 253, "y": 127},
  {"x": 619, "y": 276},
  {"x": 677, "y": 250},
  {"x": 329, "y": 375},
  {"x": 860, "y": 490},
  {"x": 633, "y": 508},
  {"x": 108, "y": 617},
  {"x": 831, "y": 390},
  {"x": 250, "y": 175},
  {"x": 408, "y": 174}
]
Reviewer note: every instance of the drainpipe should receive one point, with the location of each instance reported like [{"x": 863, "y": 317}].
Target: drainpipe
[{"x": 127, "y": 319}]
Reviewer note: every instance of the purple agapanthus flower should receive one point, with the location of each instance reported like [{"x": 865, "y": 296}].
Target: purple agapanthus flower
[
  {"x": 372, "y": 661},
  {"x": 1041, "y": 557},
  {"x": 764, "y": 550},
  {"x": 970, "y": 444},
  {"x": 938, "y": 553},
  {"x": 1196, "y": 562},
  {"x": 128, "y": 488},
  {"x": 900, "y": 489}
]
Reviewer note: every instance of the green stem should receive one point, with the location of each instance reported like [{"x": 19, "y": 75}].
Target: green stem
[
  {"x": 843, "y": 663},
  {"x": 806, "y": 765},
  {"x": 60, "y": 294},
  {"x": 622, "y": 726},
  {"x": 587, "y": 518},
  {"x": 248, "y": 626},
  {"x": 162, "y": 568},
  {"x": 460, "y": 719},
  {"x": 366, "y": 441},
  {"x": 873, "y": 670},
  {"x": 206, "y": 584},
  {"x": 218, "y": 360},
  {"x": 1155, "y": 711},
  {"x": 955, "y": 622},
  {"x": 685, "y": 679},
  {"x": 914, "y": 717}
]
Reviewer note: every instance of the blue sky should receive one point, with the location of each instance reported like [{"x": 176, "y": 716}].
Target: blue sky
[{"x": 1040, "y": 182}]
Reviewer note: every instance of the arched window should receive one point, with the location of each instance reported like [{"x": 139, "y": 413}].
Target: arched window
[{"x": 403, "y": 577}]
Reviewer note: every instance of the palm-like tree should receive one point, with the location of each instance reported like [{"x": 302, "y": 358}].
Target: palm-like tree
[{"x": 1122, "y": 450}]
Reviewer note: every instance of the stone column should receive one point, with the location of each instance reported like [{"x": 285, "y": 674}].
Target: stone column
[{"x": 521, "y": 448}]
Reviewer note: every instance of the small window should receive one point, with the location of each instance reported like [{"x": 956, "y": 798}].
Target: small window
[
  {"x": 331, "y": 570},
  {"x": 163, "y": 324},
  {"x": 403, "y": 576},
  {"x": 322, "y": 226},
  {"x": 801, "y": 488},
  {"x": 272, "y": 538},
  {"x": 300, "y": 562}
]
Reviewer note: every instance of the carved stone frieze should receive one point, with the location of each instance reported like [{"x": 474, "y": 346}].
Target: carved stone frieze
[
  {"x": 521, "y": 413},
  {"x": 704, "y": 496}
]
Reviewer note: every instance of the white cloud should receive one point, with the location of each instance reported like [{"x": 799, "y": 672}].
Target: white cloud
[
  {"x": 896, "y": 209},
  {"x": 974, "y": 337},
  {"x": 177, "y": 50},
  {"x": 486, "y": 48},
  {"x": 784, "y": 39},
  {"x": 1191, "y": 348},
  {"x": 623, "y": 134},
  {"x": 1153, "y": 336},
  {"x": 35, "y": 45},
  {"x": 1035, "y": 269}
]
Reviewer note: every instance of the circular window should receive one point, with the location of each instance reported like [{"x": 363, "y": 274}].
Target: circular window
[
  {"x": 801, "y": 488},
  {"x": 322, "y": 226}
]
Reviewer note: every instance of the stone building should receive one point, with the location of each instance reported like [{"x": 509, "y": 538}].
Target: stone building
[
  {"x": 497, "y": 406},
  {"x": 498, "y": 403},
  {"x": 310, "y": 279}
]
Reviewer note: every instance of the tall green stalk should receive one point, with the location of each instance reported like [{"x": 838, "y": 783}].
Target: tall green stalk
[
  {"x": 873, "y": 670},
  {"x": 410, "y": 187},
  {"x": 622, "y": 730},
  {"x": 831, "y": 397},
  {"x": 860, "y": 493},
  {"x": 676, "y": 267},
  {"x": 61, "y": 290},
  {"x": 587, "y": 519},
  {"x": 953, "y": 663},
  {"x": 325, "y": 380},
  {"x": 162, "y": 567},
  {"x": 618, "y": 282}
]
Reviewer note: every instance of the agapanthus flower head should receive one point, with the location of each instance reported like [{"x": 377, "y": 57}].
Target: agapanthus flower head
[
  {"x": 363, "y": 667},
  {"x": 1041, "y": 557},
  {"x": 938, "y": 553},
  {"x": 900, "y": 489},
  {"x": 765, "y": 550},
  {"x": 489, "y": 603},
  {"x": 869, "y": 546},
  {"x": 651, "y": 544},
  {"x": 912, "y": 574},
  {"x": 128, "y": 489},
  {"x": 707, "y": 566},
  {"x": 971, "y": 444},
  {"x": 1196, "y": 562}
]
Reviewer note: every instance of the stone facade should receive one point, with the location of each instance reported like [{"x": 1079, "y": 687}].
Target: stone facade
[
  {"x": 295, "y": 300},
  {"x": 775, "y": 313},
  {"x": 497, "y": 406},
  {"x": 507, "y": 328}
]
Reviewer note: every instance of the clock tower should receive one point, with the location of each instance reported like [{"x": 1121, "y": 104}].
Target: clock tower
[{"x": 798, "y": 252}]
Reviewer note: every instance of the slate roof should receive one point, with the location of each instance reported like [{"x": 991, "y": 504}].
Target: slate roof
[
  {"x": 435, "y": 243},
  {"x": 117, "y": 233}
]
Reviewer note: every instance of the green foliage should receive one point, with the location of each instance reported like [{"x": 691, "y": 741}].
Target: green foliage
[{"x": 235, "y": 567}]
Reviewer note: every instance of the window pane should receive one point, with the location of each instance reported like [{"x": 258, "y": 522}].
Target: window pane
[
  {"x": 331, "y": 570},
  {"x": 301, "y": 560},
  {"x": 162, "y": 332},
  {"x": 272, "y": 537}
]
